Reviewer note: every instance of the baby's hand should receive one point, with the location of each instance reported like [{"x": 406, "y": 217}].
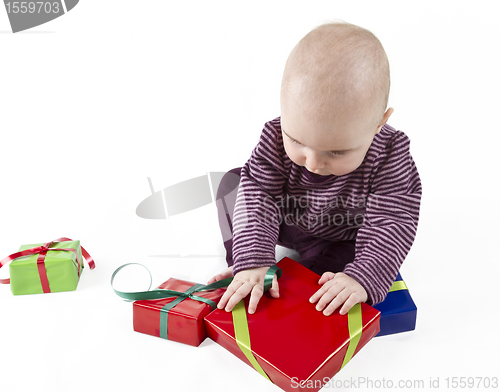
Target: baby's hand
[
  {"x": 338, "y": 289},
  {"x": 246, "y": 282},
  {"x": 227, "y": 273}
]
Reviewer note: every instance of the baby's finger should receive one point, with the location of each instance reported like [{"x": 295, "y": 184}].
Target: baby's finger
[
  {"x": 349, "y": 303},
  {"x": 317, "y": 295},
  {"x": 321, "y": 291},
  {"x": 339, "y": 299},
  {"x": 231, "y": 289},
  {"x": 326, "y": 277},
  {"x": 227, "y": 273},
  {"x": 274, "y": 291},
  {"x": 255, "y": 297},
  {"x": 330, "y": 294},
  {"x": 239, "y": 294}
]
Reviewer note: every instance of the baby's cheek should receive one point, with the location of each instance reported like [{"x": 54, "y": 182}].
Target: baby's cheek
[
  {"x": 298, "y": 159},
  {"x": 295, "y": 156},
  {"x": 345, "y": 165}
]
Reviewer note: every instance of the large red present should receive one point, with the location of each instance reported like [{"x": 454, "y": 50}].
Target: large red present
[
  {"x": 294, "y": 345},
  {"x": 175, "y": 310}
]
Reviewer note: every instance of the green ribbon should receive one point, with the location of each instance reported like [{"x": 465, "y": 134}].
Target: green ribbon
[
  {"x": 242, "y": 334},
  {"x": 162, "y": 293},
  {"x": 355, "y": 325},
  {"x": 398, "y": 285},
  {"x": 268, "y": 278},
  {"x": 240, "y": 322}
]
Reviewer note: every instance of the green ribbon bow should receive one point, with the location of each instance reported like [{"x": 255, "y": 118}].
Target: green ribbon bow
[{"x": 162, "y": 293}]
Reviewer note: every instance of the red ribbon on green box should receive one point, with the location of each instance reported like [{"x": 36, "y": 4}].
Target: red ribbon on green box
[{"x": 42, "y": 252}]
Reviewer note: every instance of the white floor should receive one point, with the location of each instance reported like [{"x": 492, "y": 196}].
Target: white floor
[{"x": 98, "y": 100}]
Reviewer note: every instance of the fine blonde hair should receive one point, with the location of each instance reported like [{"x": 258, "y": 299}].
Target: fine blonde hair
[{"x": 339, "y": 60}]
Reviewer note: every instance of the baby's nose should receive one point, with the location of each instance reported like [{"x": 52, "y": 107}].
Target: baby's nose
[{"x": 314, "y": 160}]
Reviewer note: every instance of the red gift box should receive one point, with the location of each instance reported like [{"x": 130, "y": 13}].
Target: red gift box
[
  {"x": 185, "y": 321},
  {"x": 298, "y": 347}
]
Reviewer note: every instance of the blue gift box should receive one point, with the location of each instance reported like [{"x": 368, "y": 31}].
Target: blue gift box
[{"x": 398, "y": 312}]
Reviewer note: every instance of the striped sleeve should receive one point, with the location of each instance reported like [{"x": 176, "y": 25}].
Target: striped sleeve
[
  {"x": 391, "y": 219},
  {"x": 256, "y": 214}
]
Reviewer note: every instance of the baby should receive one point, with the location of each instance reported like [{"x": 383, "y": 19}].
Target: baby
[{"x": 329, "y": 178}]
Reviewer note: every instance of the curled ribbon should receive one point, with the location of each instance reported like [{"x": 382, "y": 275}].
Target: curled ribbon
[
  {"x": 165, "y": 293},
  {"x": 42, "y": 252}
]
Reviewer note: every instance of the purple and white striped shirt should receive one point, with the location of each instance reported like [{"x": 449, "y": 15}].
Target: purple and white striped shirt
[{"x": 377, "y": 204}]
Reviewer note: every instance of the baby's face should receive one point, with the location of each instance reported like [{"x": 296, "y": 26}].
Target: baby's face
[
  {"x": 326, "y": 144},
  {"x": 334, "y": 87}
]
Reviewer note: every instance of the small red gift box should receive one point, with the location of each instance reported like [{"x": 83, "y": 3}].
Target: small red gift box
[
  {"x": 297, "y": 347},
  {"x": 182, "y": 323}
]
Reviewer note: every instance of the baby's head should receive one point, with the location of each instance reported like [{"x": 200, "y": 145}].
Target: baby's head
[{"x": 334, "y": 97}]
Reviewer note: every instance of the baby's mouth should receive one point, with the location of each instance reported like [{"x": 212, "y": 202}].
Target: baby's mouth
[{"x": 313, "y": 172}]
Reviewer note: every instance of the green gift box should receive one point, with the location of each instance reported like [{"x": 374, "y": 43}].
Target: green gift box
[{"x": 46, "y": 268}]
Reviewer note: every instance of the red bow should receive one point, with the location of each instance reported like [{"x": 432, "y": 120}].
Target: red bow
[{"x": 42, "y": 252}]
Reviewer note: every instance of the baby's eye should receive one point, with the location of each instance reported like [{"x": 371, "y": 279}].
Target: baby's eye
[
  {"x": 337, "y": 153},
  {"x": 293, "y": 141}
]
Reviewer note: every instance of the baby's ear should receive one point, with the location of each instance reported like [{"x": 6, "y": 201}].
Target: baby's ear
[{"x": 385, "y": 118}]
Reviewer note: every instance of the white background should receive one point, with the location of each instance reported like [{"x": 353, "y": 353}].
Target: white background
[{"x": 94, "y": 102}]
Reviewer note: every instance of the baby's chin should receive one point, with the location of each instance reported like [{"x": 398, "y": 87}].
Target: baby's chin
[
  {"x": 323, "y": 173},
  {"x": 317, "y": 174}
]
